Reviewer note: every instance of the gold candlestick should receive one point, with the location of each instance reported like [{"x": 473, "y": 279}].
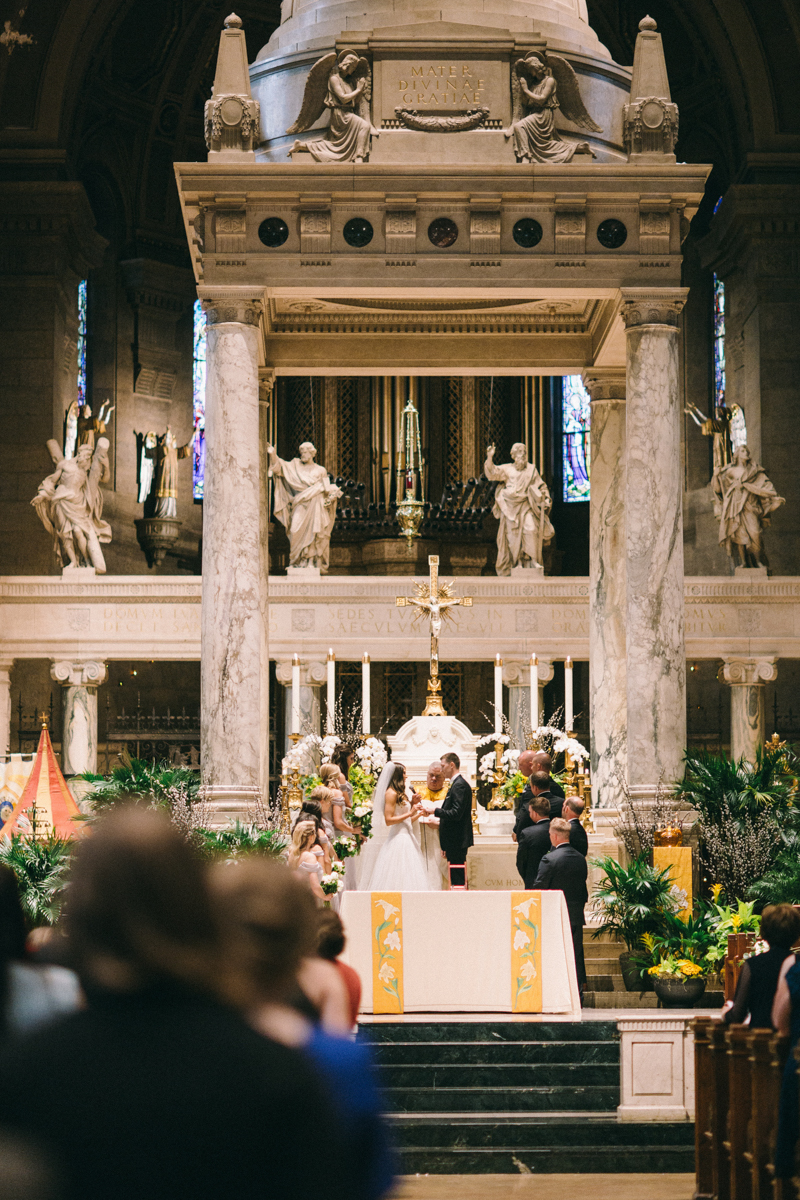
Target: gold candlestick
[{"x": 500, "y": 777}]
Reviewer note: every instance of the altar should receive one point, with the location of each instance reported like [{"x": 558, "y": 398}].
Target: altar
[{"x": 471, "y": 952}]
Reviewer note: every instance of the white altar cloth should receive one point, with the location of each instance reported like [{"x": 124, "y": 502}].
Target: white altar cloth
[{"x": 457, "y": 951}]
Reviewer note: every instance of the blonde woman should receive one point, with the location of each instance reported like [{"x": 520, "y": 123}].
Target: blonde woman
[
  {"x": 305, "y": 857},
  {"x": 330, "y": 775},
  {"x": 324, "y": 798}
]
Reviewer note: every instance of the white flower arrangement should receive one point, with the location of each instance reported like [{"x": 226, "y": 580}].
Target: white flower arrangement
[
  {"x": 332, "y": 884},
  {"x": 327, "y": 747},
  {"x": 509, "y": 760},
  {"x": 302, "y": 755},
  {"x": 492, "y": 739},
  {"x": 562, "y": 744},
  {"x": 372, "y": 757},
  {"x": 337, "y": 868}
]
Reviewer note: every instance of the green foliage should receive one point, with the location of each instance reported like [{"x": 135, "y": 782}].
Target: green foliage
[
  {"x": 713, "y": 783},
  {"x": 363, "y": 785},
  {"x": 140, "y": 781},
  {"x": 725, "y": 919},
  {"x": 632, "y": 901},
  {"x": 40, "y": 866},
  {"x": 237, "y": 840},
  {"x": 692, "y": 941}
]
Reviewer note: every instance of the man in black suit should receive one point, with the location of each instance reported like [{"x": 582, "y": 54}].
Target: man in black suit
[
  {"x": 564, "y": 869},
  {"x": 455, "y": 813},
  {"x": 536, "y": 762},
  {"x": 534, "y": 842},
  {"x": 572, "y": 812}
]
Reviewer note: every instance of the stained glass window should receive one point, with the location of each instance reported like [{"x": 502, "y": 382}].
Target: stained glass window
[
  {"x": 82, "y": 330},
  {"x": 719, "y": 342},
  {"x": 575, "y": 427},
  {"x": 199, "y": 400}
]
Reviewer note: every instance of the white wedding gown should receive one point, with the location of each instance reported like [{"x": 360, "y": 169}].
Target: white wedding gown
[{"x": 397, "y": 862}]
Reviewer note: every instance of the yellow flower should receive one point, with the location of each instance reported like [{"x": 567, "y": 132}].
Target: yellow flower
[
  {"x": 654, "y": 970},
  {"x": 686, "y": 967},
  {"x": 736, "y": 920},
  {"x": 715, "y": 892}
]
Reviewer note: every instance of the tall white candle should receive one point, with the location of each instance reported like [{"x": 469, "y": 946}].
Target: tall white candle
[
  {"x": 365, "y": 698},
  {"x": 498, "y": 694},
  {"x": 295, "y": 693},
  {"x": 569, "y": 714},
  {"x": 331, "y": 707},
  {"x": 534, "y": 705}
]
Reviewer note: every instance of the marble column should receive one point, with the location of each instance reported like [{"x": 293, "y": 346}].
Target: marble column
[
  {"x": 608, "y": 701},
  {"x": 5, "y": 705},
  {"x": 747, "y": 677},
  {"x": 80, "y": 681},
  {"x": 655, "y": 652},
  {"x": 313, "y": 675},
  {"x": 232, "y": 617},
  {"x": 517, "y": 678}
]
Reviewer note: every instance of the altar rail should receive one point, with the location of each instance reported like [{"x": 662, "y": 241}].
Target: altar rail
[{"x": 738, "y": 1074}]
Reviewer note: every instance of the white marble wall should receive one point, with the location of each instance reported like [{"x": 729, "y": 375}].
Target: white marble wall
[
  {"x": 656, "y": 657},
  {"x": 657, "y": 1068},
  {"x": 747, "y": 677},
  {"x": 5, "y": 705},
  {"x": 80, "y": 681},
  {"x": 607, "y": 587},
  {"x": 231, "y": 620}
]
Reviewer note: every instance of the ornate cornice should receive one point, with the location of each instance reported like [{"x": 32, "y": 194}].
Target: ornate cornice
[{"x": 652, "y": 306}]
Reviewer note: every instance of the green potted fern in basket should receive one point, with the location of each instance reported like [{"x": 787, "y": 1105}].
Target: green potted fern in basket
[{"x": 632, "y": 902}]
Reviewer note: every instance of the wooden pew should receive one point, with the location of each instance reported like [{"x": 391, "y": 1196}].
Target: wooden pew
[{"x": 704, "y": 1107}]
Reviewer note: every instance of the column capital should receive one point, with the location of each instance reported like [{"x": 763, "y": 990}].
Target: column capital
[
  {"x": 84, "y": 673},
  {"x": 605, "y": 385},
  {"x": 738, "y": 670},
  {"x": 232, "y": 305},
  {"x": 312, "y": 674},
  {"x": 652, "y": 306},
  {"x": 6, "y": 663},
  {"x": 517, "y": 672},
  {"x": 266, "y": 383}
]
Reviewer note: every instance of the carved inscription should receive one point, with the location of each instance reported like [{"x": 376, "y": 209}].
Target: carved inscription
[{"x": 440, "y": 85}]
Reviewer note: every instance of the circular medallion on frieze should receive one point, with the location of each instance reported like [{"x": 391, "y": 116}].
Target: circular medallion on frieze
[
  {"x": 652, "y": 114},
  {"x": 442, "y": 232},
  {"x": 231, "y": 110},
  {"x": 358, "y": 232},
  {"x": 273, "y": 232},
  {"x": 527, "y": 233},
  {"x": 612, "y": 234}
]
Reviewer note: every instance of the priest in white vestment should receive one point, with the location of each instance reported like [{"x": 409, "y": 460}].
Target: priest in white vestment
[{"x": 305, "y": 503}]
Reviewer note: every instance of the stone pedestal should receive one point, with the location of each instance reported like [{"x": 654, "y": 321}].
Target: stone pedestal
[
  {"x": 655, "y": 652},
  {"x": 607, "y": 586},
  {"x": 80, "y": 681},
  {"x": 232, "y": 614},
  {"x": 747, "y": 677},
  {"x": 313, "y": 676},
  {"x": 5, "y": 705}
]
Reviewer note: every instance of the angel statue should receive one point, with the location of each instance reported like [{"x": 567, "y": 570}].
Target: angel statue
[
  {"x": 70, "y": 505},
  {"x": 351, "y": 128},
  {"x": 541, "y": 83},
  {"x": 80, "y": 426},
  {"x": 158, "y": 471}
]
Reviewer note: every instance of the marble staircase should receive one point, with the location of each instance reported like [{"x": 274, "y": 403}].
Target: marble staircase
[{"x": 489, "y": 1097}]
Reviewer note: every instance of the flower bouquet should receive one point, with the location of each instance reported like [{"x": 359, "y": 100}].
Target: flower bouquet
[
  {"x": 344, "y": 847},
  {"x": 334, "y": 883},
  {"x": 360, "y": 817},
  {"x": 678, "y": 982}
]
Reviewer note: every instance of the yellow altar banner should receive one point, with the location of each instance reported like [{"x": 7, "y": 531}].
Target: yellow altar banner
[
  {"x": 526, "y": 952},
  {"x": 387, "y": 951},
  {"x": 679, "y": 860}
]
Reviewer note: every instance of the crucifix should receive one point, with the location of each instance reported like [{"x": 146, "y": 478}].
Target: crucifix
[{"x": 435, "y": 600}]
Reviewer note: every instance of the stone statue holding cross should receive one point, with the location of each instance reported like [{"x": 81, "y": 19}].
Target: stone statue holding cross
[{"x": 435, "y": 600}]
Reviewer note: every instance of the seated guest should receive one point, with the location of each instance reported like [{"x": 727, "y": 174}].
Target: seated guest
[
  {"x": 759, "y": 976},
  {"x": 119, "y": 1096},
  {"x": 540, "y": 764},
  {"x": 275, "y": 929},
  {"x": 564, "y": 869},
  {"x": 306, "y": 859},
  {"x": 534, "y": 841},
  {"x": 572, "y": 811},
  {"x": 330, "y": 944}
]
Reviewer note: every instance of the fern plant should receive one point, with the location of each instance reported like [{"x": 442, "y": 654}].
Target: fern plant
[
  {"x": 239, "y": 839},
  {"x": 140, "y": 781},
  {"x": 40, "y": 866},
  {"x": 714, "y": 784},
  {"x": 632, "y": 901}
]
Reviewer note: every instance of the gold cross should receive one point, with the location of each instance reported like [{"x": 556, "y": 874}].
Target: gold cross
[{"x": 435, "y": 600}]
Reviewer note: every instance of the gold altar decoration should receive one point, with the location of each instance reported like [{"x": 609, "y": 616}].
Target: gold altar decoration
[
  {"x": 670, "y": 835},
  {"x": 410, "y": 482},
  {"x": 498, "y": 800},
  {"x": 435, "y": 600},
  {"x": 678, "y": 859}
]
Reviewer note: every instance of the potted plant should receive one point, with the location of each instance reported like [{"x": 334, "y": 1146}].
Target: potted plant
[
  {"x": 631, "y": 902},
  {"x": 679, "y": 982}
]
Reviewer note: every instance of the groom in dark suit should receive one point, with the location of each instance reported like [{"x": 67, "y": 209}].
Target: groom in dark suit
[{"x": 455, "y": 813}]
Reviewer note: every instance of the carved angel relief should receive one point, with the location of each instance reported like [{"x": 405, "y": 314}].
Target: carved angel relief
[
  {"x": 541, "y": 83},
  {"x": 343, "y": 84}
]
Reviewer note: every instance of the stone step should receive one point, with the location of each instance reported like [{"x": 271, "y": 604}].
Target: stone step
[
  {"x": 381, "y": 1032},
  {"x": 387, "y": 1054},
  {"x": 619, "y": 999},
  {"x": 576, "y": 1098},
  {"x": 499, "y": 1075}
]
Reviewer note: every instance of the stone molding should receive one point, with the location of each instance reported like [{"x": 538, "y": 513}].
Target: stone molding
[
  {"x": 231, "y": 310},
  {"x": 312, "y": 674},
  {"x": 516, "y": 672},
  {"x": 652, "y": 307},
  {"x": 605, "y": 385},
  {"x": 748, "y": 672},
  {"x": 88, "y": 673}
]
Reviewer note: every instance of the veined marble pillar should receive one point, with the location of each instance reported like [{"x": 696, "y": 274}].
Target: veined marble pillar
[
  {"x": 517, "y": 678},
  {"x": 312, "y": 677},
  {"x": 5, "y": 705},
  {"x": 656, "y": 657},
  {"x": 232, "y": 619},
  {"x": 747, "y": 677},
  {"x": 608, "y": 700},
  {"x": 80, "y": 681}
]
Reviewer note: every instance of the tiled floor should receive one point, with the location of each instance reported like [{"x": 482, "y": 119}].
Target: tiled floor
[{"x": 545, "y": 1187}]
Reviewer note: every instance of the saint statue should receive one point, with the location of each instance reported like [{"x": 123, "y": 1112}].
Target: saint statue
[
  {"x": 743, "y": 500},
  {"x": 158, "y": 472},
  {"x": 70, "y": 505},
  {"x": 80, "y": 426},
  {"x": 341, "y": 83},
  {"x": 521, "y": 504},
  {"x": 305, "y": 503},
  {"x": 540, "y": 84}
]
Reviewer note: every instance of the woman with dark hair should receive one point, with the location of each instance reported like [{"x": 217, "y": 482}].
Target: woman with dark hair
[
  {"x": 400, "y": 864},
  {"x": 330, "y": 944},
  {"x": 758, "y": 979},
  {"x": 146, "y": 1091},
  {"x": 344, "y": 757}
]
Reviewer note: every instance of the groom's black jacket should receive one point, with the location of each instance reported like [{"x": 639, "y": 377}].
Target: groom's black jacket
[{"x": 455, "y": 819}]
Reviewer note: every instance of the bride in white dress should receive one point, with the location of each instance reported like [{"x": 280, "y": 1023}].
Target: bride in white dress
[{"x": 396, "y": 862}]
